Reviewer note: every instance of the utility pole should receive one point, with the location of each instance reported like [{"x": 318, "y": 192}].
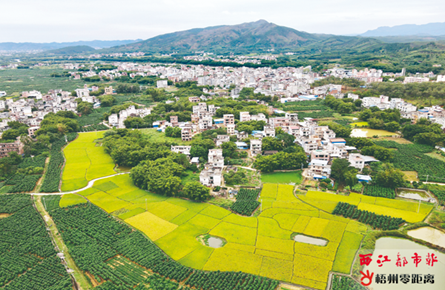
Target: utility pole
[
  {"x": 427, "y": 178},
  {"x": 418, "y": 207}
]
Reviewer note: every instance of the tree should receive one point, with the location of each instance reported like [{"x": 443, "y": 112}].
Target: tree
[
  {"x": 10, "y": 134},
  {"x": 196, "y": 191},
  {"x": 174, "y": 132},
  {"x": 287, "y": 139},
  {"x": 390, "y": 177},
  {"x": 229, "y": 149},
  {"x": 392, "y": 126},
  {"x": 85, "y": 108},
  {"x": 338, "y": 170},
  {"x": 351, "y": 177},
  {"x": 270, "y": 143},
  {"x": 199, "y": 151},
  {"x": 365, "y": 114},
  {"x": 375, "y": 123},
  {"x": 265, "y": 164},
  {"x": 107, "y": 100}
]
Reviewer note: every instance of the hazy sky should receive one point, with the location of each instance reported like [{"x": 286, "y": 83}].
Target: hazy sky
[{"x": 59, "y": 20}]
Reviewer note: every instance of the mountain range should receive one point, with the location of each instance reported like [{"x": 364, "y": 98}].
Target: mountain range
[
  {"x": 32, "y": 46},
  {"x": 430, "y": 29},
  {"x": 259, "y": 36}
]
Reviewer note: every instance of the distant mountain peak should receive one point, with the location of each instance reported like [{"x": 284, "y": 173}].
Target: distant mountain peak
[{"x": 433, "y": 29}]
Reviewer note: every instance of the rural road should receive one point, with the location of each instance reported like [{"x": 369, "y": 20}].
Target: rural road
[{"x": 89, "y": 185}]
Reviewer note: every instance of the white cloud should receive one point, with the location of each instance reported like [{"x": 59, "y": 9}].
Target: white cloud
[{"x": 55, "y": 20}]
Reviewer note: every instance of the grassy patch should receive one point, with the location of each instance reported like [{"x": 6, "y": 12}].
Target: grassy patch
[
  {"x": 277, "y": 269},
  {"x": 282, "y": 177}
]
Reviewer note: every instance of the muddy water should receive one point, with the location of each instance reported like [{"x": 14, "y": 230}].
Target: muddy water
[
  {"x": 310, "y": 240},
  {"x": 430, "y": 235}
]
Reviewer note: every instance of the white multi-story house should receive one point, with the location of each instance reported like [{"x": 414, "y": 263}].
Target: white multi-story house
[
  {"x": 269, "y": 131},
  {"x": 220, "y": 139},
  {"x": 231, "y": 129},
  {"x": 216, "y": 158},
  {"x": 319, "y": 168},
  {"x": 356, "y": 160},
  {"x": 255, "y": 147},
  {"x": 211, "y": 176},
  {"x": 229, "y": 119},
  {"x": 244, "y": 116},
  {"x": 181, "y": 149}
]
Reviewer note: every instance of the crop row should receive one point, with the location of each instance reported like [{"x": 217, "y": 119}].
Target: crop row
[
  {"x": 345, "y": 283},
  {"x": 27, "y": 256},
  {"x": 53, "y": 172},
  {"x": 411, "y": 157},
  {"x": 375, "y": 220},
  {"x": 93, "y": 237},
  {"x": 27, "y": 183},
  {"x": 375, "y": 190},
  {"x": 38, "y": 161},
  {"x": 246, "y": 201}
]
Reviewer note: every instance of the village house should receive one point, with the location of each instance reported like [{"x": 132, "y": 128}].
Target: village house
[
  {"x": 6, "y": 148},
  {"x": 220, "y": 139},
  {"x": 255, "y": 147},
  {"x": 181, "y": 149}
]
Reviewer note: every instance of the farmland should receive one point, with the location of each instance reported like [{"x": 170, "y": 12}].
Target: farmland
[
  {"x": 260, "y": 245},
  {"x": 282, "y": 177},
  {"x": 28, "y": 258},
  {"x": 255, "y": 245},
  {"x": 85, "y": 161},
  {"x": 413, "y": 157},
  {"x": 371, "y": 132}
]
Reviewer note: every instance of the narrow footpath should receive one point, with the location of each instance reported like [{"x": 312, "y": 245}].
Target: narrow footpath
[{"x": 82, "y": 281}]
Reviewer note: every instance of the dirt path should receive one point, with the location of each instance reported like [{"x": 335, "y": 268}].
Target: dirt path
[{"x": 81, "y": 280}]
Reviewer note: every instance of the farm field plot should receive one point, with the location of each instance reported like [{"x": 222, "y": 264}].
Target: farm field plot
[
  {"x": 282, "y": 177},
  {"x": 260, "y": 245},
  {"x": 27, "y": 255},
  {"x": 71, "y": 199},
  {"x": 371, "y": 132},
  {"x": 85, "y": 161},
  {"x": 379, "y": 205}
]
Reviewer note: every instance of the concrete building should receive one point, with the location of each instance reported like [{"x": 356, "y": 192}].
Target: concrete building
[
  {"x": 220, "y": 139},
  {"x": 244, "y": 116},
  {"x": 186, "y": 134},
  {"x": 229, "y": 119},
  {"x": 255, "y": 147},
  {"x": 211, "y": 177},
  {"x": 181, "y": 149},
  {"x": 6, "y": 148}
]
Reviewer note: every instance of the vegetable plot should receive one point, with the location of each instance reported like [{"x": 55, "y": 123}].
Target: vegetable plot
[
  {"x": 375, "y": 190},
  {"x": 246, "y": 201},
  {"x": 376, "y": 221}
]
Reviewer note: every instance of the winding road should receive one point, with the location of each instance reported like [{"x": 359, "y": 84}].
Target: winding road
[{"x": 89, "y": 185}]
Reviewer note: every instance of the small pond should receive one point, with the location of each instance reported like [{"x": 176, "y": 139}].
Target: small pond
[
  {"x": 310, "y": 240},
  {"x": 414, "y": 194},
  {"x": 392, "y": 247},
  {"x": 215, "y": 242},
  {"x": 430, "y": 235}
]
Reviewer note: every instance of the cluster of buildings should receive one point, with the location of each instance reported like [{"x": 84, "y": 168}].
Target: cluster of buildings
[
  {"x": 32, "y": 107},
  {"x": 117, "y": 120},
  {"x": 435, "y": 114}
]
